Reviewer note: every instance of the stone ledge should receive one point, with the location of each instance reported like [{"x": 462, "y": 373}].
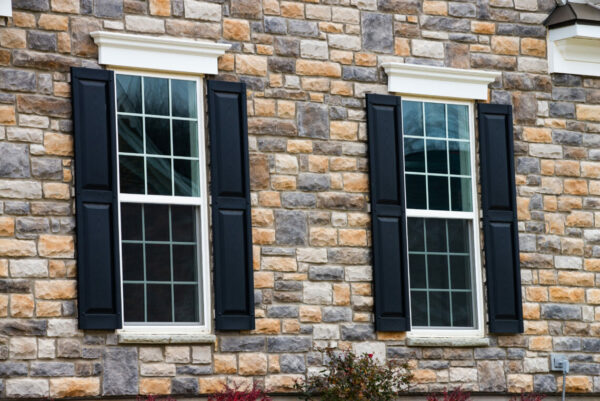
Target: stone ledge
[
  {"x": 141, "y": 338},
  {"x": 448, "y": 342}
]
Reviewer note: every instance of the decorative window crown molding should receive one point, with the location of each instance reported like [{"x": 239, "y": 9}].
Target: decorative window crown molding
[
  {"x": 158, "y": 53},
  {"x": 425, "y": 80},
  {"x": 574, "y": 49}
]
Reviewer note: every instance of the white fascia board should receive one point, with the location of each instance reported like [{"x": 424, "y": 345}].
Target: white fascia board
[
  {"x": 574, "y": 49},
  {"x": 158, "y": 53},
  {"x": 425, "y": 80},
  {"x": 5, "y": 8}
]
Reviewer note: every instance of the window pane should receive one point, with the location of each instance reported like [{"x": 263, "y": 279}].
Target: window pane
[
  {"x": 131, "y": 175},
  {"x": 133, "y": 302},
  {"x": 186, "y": 178},
  {"x": 438, "y": 193},
  {"x": 414, "y": 155},
  {"x": 418, "y": 271},
  {"x": 159, "y": 303},
  {"x": 183, "y": 94},
  {"x": 435, "y": 235},
  {"x": 156, "y": 219},
  {"x": 129, "y": 94},
  {"x": 158, "y": 139},
  {"x": 133, "y": 262},
  {"x": 158, "y": 262},
  {"x": 183, "y": 221},
  {"x": 184, "y": 263},
  {"x": 416, "y": 240},
  {"x": 419, "y": 308},
  {"x": 460, "y": 272},
  {"x": 437, "y": 271},
  {"x": 461, "y": 194},
  {"x": 458, "y": 121},
  {"x": 439, "y": 308},
  {"x": 156, "y": 96},
  {"x": 435, "y": 120},
  {"x": 412, "y": 118},
  {"x": 462, "y": 309},
  {"x": 186, "y": 305},
  {"x": 130, "y": 134},
  {"x": 437, "y": 157},
  {"x": 459, "y": 235},
  {"x": 415, "y": 192},
  {"x": 185, "y": 138},
  {"x": 131, "y": 221},
  {"x": 460, "y": 158},
  {"x": 159, "y": 176}
]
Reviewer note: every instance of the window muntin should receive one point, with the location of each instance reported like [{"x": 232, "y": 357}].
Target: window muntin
[
  {"x": 441, "y": 216},
  {"x": 162, "y": 201}
]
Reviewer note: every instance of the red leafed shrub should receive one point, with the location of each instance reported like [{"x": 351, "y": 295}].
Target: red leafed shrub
[
  {"x": 456, "y": 395},
  {"x": 153, "y": 398},
  {"x": 235, "y": 394},
  {"x": 528, "y": 397}
]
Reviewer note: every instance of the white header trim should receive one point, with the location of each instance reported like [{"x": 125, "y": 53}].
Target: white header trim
[
  {"x": 425, "y": 80},
  {"x": 574, "y": 49},
  {"x": 158, "y": 53},
  {"x": 6, "y": 8}
]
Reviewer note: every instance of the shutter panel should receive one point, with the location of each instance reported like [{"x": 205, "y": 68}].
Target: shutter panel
[
  {"x": 230, "y": 191},
  {"x": 388, "y": 211},
  {"x": 99, "y": 289},
  {"x": 499, "y": 204}
]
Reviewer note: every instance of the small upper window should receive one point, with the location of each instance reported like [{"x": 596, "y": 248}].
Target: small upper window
[
  {"x": 163, "y": 207},
  {"x": 442, "y": 226}
]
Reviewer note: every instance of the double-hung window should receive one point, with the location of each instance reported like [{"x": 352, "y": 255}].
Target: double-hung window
[
  {"x": 162, "y": 199},
  {"x": 442, "y": 217}
]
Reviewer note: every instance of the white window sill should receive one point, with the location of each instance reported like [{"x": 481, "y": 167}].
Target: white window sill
[
  {"x": 125, "y": 337},
  {"x": 447, "y": 341}
]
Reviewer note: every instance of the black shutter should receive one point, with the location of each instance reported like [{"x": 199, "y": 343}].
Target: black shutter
[
  {"x": 388, "y": 210},
  {"x": 499, "y": 204},
  {"x": 99, "y": 290},
  {"x": 230, "y": 191}
]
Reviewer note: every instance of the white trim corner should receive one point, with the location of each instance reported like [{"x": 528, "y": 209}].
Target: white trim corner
[
  {"x": 574, "y": 49},
  {"x": 444, "y": 82},
  {"x": 5, "y": 8},
  {"x": 158, "y": 53}
]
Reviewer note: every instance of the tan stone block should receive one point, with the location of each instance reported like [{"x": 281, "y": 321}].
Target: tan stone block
[
  {"x": 341, "y": 88},
  {"x": 420, "y": 376},
  {"x": 13, "y": 38},
  {"x": 53, "y": 22},
  {"x": 342, "y": 164},
  {"x": 518, "y": 383},
  {"x": 226, "y": 62},
  {"x": 292, "y": 10},
  {"x": 275, "y": 80},
  {"x": 269, "y": 199},
  {"x": 66, "y": 6},
  {"x": 569, "y": 203},
  {"x": 575, "y": 187},
  {"x": 318, "y": 164},
  {"x": 567, "y": 167},
  {"x": 541, "y": 343},
  {"x": 356, "y": 182},
  {"x": 62, "y": 89},
  {"x": 21, "y": 305},
  {"x": 536, "y": 294},
  {"x": 330, "y": 27},
  {"x": 580, "y": 219},
  {"x": 57, "y": 268},
  {"x": 592, "y": 265},
  {"x": 361, "y": 288},
  {"x": 322, "y": 236},
  {"x": 341, "y": 294},
  {"x": 279, "y": 263},
  {"x": 341, "y": 56},
  {"x": 264, "y": 280},
  {"x": 536, "y": 327},
  {"x": 23, "y": 348},
  {"x": 283, "y": 182},
  {"x": 538, "y": 135},
  {"x": 590, "y": 169},
  {"x": 74, "y": 387},
  {"x": 316, "y": 97},
  {"x": 7, "y": 115},
  {"x": 64, "y": 42},
  {"x": 358, "y": 219},
  {"x": 350, "y": 237},
  {"x": 578, "y": 279},
  {"x": 309, "y": 313},
  {"x": 251, "y": 65},
  {"x": 318, "y": 68},
  {"x": 588, "y": 112},
  {"x": 336, "y": 181},
  {"x": 402, "y": 47},
  {"x": 155, "y": 386},
  {"x": 56, "y": 246},
  {"x": 23, "y": 20},
  {"x": 531, "y": 311},
  {"x": 299, "y": 146},
  {"x": 593, "y": 296},
  {"x": 264, "y": 107},
  {"x": 3, "y": 305},
  {"x": 55, "y": 289},
  {"x": 273, "y": 363},
  {"x": 481, "y": 27},
  {"x": 55, "y": 190},
  {"x": 576, "y": 384},
  {"x": 290, "y": 326},
  {"x": 58, "y": 144},
  {"x": 263, "y": 236},
  {"x": 550, "y": 203},
  {"x": 365, "y": 59},
  {"x": 505, "y": 45},
  {"x": 343, "y": 130},
  {"x": 533, "y": 47},
  {"x": 253, "y": 364},
  {"x": 547, "y": 167},
  {"x": 3, "y": 268},
  {"x": 226, "y": 364},
  {"x": 16, "y": 248},
  {"x": 262, "y": 217},
  {"x": 48, "y": 308},
  {"x": 7, "y": 226},
  {"x": 315, "y": 84},
  {"x": 480, "y": 49},
  {"x": 523, "y": 208},
  {"x": 211, "y": 385},
  {"x": 286, "y": 109},
  {"x": 271, "y": 7},
  {"x": 236, "y": 29},
  {"x": 264, "y": 50},
  {"x": 391, "y": 336},
  {"x": 267, "y": 326},
  {"x": 160, "y": 7},
  {"x": 567, "y": 295},
  {"x": 282, "y": 383}
]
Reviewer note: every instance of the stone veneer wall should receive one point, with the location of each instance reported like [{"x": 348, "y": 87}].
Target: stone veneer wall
[{"x": 308, "y": 65}]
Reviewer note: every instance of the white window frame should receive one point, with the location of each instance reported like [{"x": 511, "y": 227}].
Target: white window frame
[
  {"x": 202, "y": 225},
  {"x": 475, "y": 236}
]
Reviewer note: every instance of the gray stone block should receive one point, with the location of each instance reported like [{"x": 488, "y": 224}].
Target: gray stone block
[
  {"x": 292, "y": 363},
  {"x": 15, "y": 159},
  {"x": 52, "y": 369},
  {"x": 313, "y": 120},
  {"x": 290, "y": 227},
  {"x": 326, "y": 273},
  {"x": 120, "y": 366},
  {"x": 358, "y": 332},
  {"x": 184, "y": 385},
  {"x": 377, "y": 32},
  {"x": 337, "y": 314},
  {"x": 242, "y": 343},
  {"x": 288, "y": 344}
]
